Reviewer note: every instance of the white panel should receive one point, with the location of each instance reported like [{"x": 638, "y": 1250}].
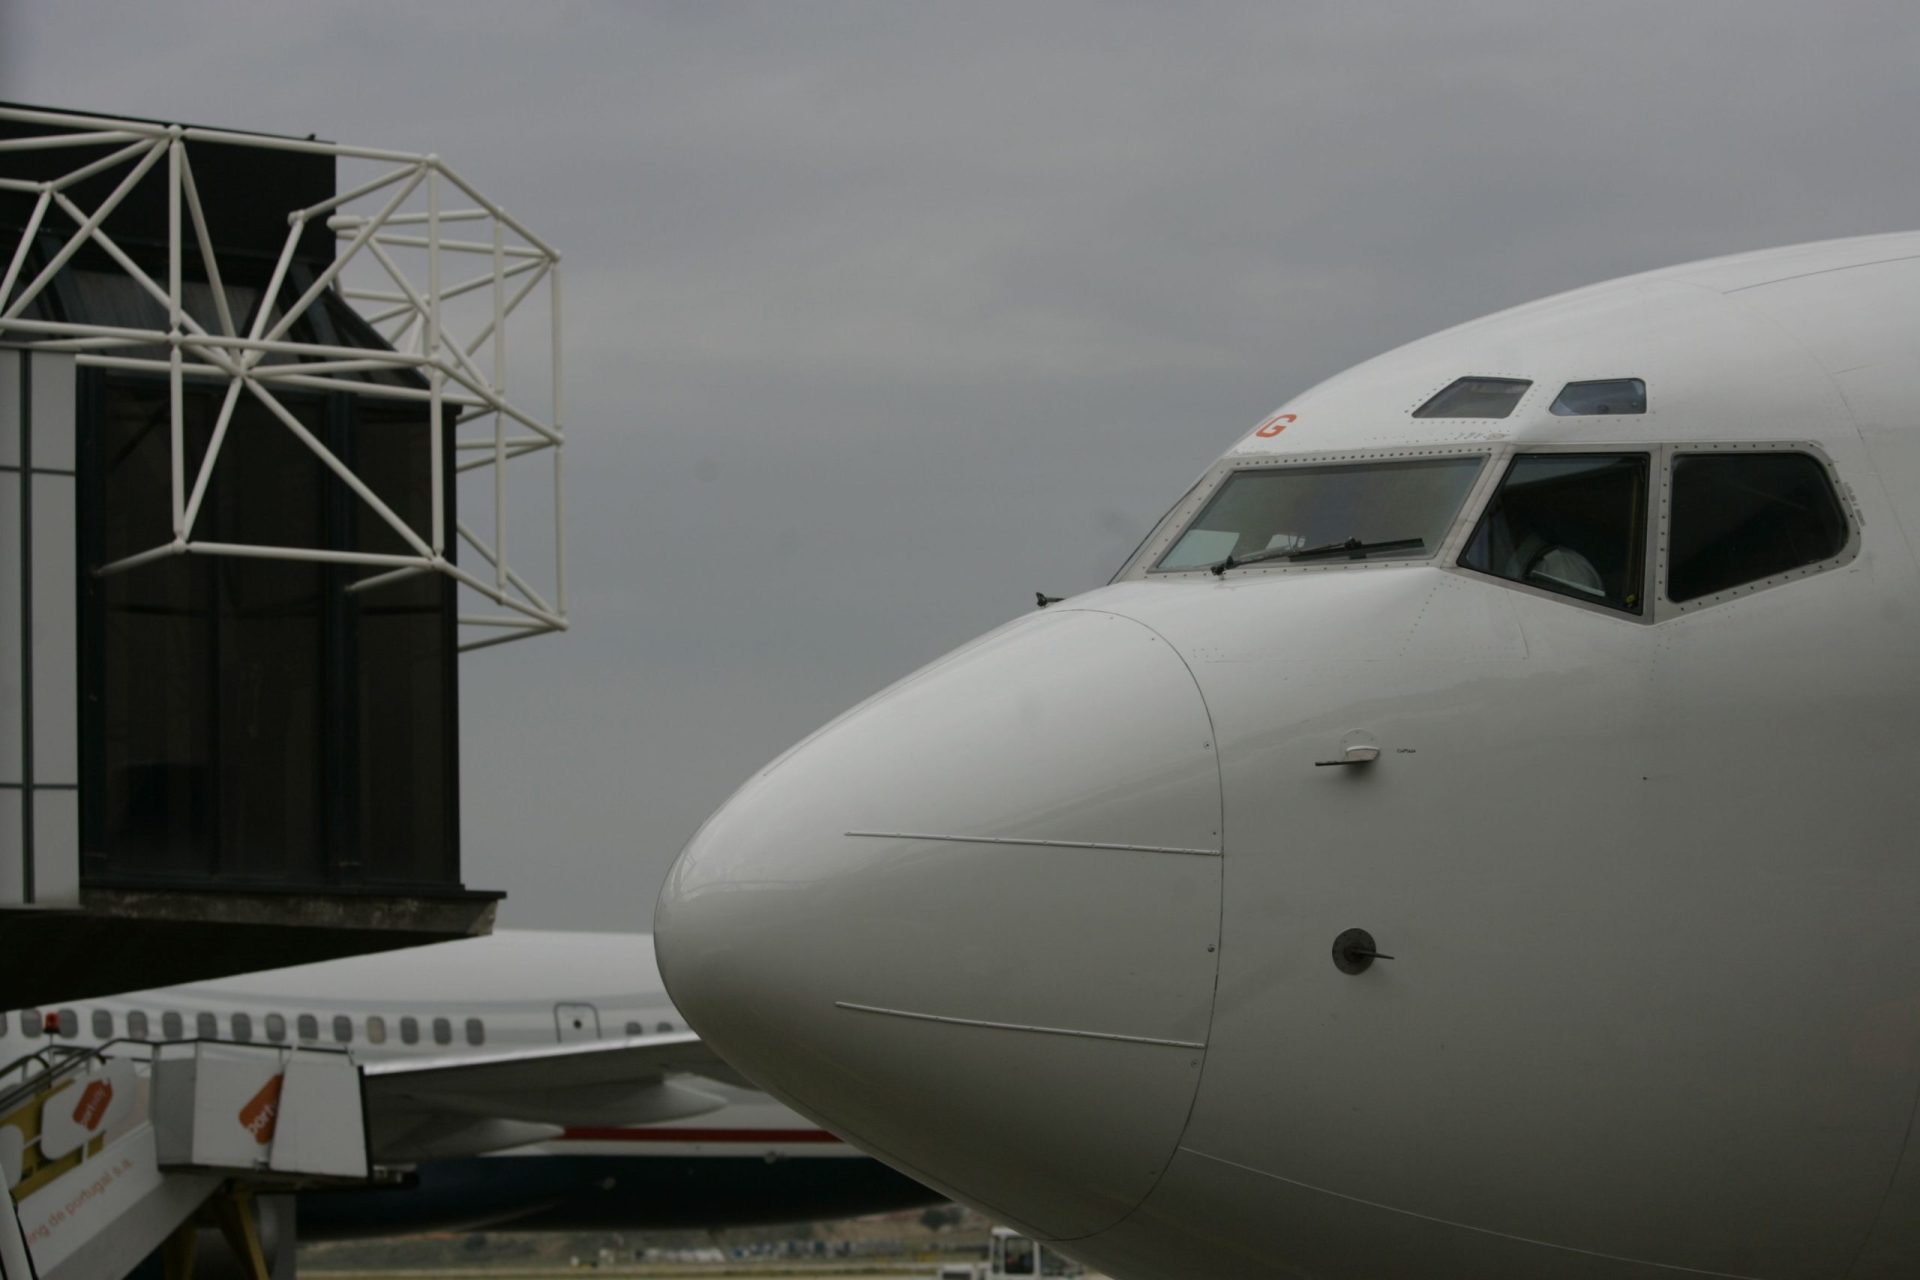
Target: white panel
[
  {"x": 218, "y": 1109},
  {"x": 11, "y": 764},
  {"x": 9, "y": 408},
  {"x": 53, "y": 410},
  {"x": 56, "y": 848},
  {"x": 320, "y": 1128},
  {"x": 56, "y": 633},
  {"x": 13, "y": 819}
]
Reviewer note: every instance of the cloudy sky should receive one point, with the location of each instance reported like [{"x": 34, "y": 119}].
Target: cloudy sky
[{"x": 881, "y": 316}]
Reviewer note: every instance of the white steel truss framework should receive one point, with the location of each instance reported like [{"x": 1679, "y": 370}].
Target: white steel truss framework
[{"x": 397, "y": 267}]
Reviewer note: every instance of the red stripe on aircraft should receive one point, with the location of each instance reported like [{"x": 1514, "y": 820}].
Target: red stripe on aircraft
[{"x": 698, "y": 1135}]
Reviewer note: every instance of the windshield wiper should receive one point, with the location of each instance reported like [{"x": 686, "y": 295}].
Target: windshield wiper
[{"x": 1352, "y": 546}]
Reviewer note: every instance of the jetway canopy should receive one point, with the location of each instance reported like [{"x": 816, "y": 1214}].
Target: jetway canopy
[{"x": 256, "y": 438}]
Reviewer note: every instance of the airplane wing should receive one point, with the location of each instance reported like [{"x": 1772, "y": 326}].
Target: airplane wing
[{"x": 463, "y": 1104}]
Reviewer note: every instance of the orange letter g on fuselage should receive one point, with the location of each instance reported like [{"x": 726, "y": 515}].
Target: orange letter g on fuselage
[{"x": 1275, "y": 425}]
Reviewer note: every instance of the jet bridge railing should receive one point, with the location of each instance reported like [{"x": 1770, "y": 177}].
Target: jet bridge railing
[{"x": 41, "y": 1068}]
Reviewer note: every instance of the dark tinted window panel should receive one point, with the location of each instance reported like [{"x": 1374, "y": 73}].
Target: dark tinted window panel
[
  {"x": 154, "y": 673},
  {"x": 476, "y": 1031},
  {"x": 242, "y": 1027},
  {"x": 409, "y": 1031},
  {"x": 1744, "y": 517},
  {"x": 390, "y": 451},
  {"x": 110, "y": 296},
  {"x": 1475, "y": 398},
  {"x": 206, "y": 1026},
  {"x": 102, "y": 1025},
  {"x": 276, "y": 1027},
  {"x": 405, "y": 676},
  {"x": 1573, "y": 524},
  {"x": 209, "y": 669},
  {"x": 137, "y": 1025},
  {"x": 171, "y": 1027},
  {"x": 247, "y": 717},
  {"x": 307, "y": 1026},
  {"x": 405, "y": 687},
  {"x": 1612, "y": 395},
  {"x": 442, "y": 1031},
  {"x": 344, "y": 326},
  {"x": 269, "y": 666},
  {"x": 342, "y": 1028}
]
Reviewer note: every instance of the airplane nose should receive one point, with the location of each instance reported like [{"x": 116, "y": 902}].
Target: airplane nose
[{"x": 972, "y": 924}]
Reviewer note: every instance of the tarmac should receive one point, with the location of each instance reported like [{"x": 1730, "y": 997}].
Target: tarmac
[{"x": 643, "y": 1271}]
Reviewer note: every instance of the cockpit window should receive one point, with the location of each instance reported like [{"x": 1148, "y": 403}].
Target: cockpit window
[
  {"x": 1742, "y": 517},
  {"x": 1397, "y": 509},
  {"x": 1613, "y": 395},
  {"x": 1573, "y": 524},
  {"x": 1475, "y": 398}
]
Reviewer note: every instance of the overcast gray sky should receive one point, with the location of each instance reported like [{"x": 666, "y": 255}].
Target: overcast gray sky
[{"x": 881, "y": 316}]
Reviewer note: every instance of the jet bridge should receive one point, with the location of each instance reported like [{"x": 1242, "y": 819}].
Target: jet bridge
[
  {"x": 267, "y": 405},
  {"x": 110, "y": 1154}
]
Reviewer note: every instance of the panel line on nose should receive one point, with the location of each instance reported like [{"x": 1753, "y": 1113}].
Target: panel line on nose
[
  {"x": 1037, "y": 843},
  {"x": 917, "y": 1016}
]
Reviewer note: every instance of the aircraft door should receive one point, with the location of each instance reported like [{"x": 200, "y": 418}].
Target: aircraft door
[{"x": 576, "y": 1022}]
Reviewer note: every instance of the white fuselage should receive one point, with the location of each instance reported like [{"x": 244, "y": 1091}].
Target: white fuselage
[
  {"x": 512, "y": 989},
  {"x": 486, "y": 997},
  {"x": 1050, "y": 924}
]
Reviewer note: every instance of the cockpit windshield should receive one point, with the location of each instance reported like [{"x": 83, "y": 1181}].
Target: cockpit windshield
[{"x": 1394, "y": 509}]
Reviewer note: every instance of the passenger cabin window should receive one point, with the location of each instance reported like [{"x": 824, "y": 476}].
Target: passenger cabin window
[
  {"x": 410, "y": 1030},
  {"x": 1573, "y": 524},
  {"x": 376, "y": 1029},
  {"x": 635, "y": 1029},
  {"x": 1475, "y": 398},
  {"x": 307, "y": 1026},
  {"x": 102, "y": 1025},
  {"x": 442, "y": 1031},
  {"x": 1745, "y": 517},
  {"x": 276, "y": 1028},
  {"x": 343, "y": 1028},
  {"x": 664, "y": 1027},
  {"x": 1391, "y": 510},
  {"x": 31, "y": 1024},
  {"x": 137, "y": 1024},
  {"x": 206, "y": 1026},
  {"x": 242, "y": 1027},
  {"x": 69, "y": 1023},
  {"x": 1613, "y": 395},
  {"x": 172, "y": 1027},
  {"x": 476, "y": 1031}
]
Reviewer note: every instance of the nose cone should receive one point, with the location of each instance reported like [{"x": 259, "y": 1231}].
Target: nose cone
[{"x": 971, "y": 925}]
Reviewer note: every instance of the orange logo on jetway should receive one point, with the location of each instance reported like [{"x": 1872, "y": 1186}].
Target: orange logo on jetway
[
  {"x": 92, "y": 1105},
  {"x": 1275, "y": 425},
  {"x": 262, "y": 1110}
]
